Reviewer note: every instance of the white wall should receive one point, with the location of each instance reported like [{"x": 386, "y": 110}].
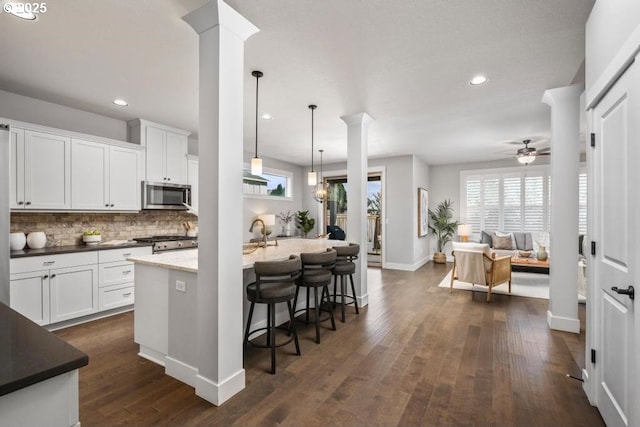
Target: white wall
[
  {"x": 253, "y": 207},
  {"x": 611, "y": 22},
  {"x": 421, "y": 179},
  {"x": 31, "y": 110}
]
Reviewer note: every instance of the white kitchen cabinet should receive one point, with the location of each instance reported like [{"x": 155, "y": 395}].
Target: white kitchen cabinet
[
  {"x": 166, "y": 150},
  {"x": 29, "y": 295},
  {"x": 104, "y": 177},
  {"x": 192, "y": 179},
  {"x": 41, "y": 170},
  {"x": 116, "y": 276},
  {"x": 73, "y": 292}
]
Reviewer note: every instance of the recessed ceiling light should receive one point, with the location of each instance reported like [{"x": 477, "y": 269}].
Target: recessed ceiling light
[
  {"x": 20, "y": 10},
  {"x": 266, "y": 116},
  {"x": 120, "y": 102},
  {"x": 478, "y": 80}
]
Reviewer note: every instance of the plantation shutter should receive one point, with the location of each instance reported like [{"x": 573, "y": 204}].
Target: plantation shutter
[
  {"x": 534, "y": 204},
  {"x": 582, "y": 203},
  {"x": 474, "y": 204},
  {"x": 512, "y": 204},
  {"x": 492, "y": 204}
]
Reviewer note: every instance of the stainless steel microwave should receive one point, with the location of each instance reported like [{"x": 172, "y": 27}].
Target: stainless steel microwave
[{"x": 162, "y": 195}]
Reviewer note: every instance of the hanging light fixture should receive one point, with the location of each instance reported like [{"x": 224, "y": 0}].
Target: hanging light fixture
[
  {"x": 256, "y": 162},
  {"x": 320, "y": 192},
  {"x": 312, "y": 176}
]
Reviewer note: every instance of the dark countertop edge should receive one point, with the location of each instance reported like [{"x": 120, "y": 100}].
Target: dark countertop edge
[
  {"x": 44, "y": 375},
  {"x": 55, "y": 250}
]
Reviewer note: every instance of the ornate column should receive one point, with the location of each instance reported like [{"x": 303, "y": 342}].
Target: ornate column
[
  {"x": 565, "y": 164},
  {"x": 222, "y": 33},
  {"x": 357, "y": 169}
]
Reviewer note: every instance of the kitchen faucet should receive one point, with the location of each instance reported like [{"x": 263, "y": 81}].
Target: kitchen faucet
[{"x": 264, "y": 232}]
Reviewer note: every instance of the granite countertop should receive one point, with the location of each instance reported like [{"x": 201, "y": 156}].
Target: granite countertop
[
  {"x": 30, "y": 354},
  {"x": 187, "y": 260},
  {"x": 55, "y": 250}
]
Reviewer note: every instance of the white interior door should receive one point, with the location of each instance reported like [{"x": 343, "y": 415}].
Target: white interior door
[{"x": 616, "y": 218}]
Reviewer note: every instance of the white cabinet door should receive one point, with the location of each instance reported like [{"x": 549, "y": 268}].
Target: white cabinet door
[
  {"x": 192, "y": 180},
  {"x": 89, "y": 175},
  {"x": 155, "y": 143},
  {"x": 29, "y": 295},
  {"x": 74, "y": 292},
  {"x": 176, "y": 158},
  {"x": 16, "y": 172},
  {"x": 124, "y": 179},
  {"x": 47, "y": 172}
]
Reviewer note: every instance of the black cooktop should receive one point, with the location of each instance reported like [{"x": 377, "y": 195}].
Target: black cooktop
[{"x": 164, "y": 238}]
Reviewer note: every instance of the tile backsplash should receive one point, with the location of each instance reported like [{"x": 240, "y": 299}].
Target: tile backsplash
[{"x": 64, "y": 229}]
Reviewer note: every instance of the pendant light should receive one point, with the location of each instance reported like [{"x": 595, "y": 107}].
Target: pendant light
[
  {"x": 320, "y": 192},
  {"x": 256, "y": 162},
  {"x": 312, "y": 177}
]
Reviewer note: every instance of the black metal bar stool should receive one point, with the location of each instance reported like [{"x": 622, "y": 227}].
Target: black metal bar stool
[
  {"x": 275, "y": 283},
  {"x": 316, "y": 274},
  {"x": 345, "y": 267}
]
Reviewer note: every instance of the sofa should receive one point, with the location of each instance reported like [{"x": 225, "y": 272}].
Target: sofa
[{"x": 498, "y": 242}]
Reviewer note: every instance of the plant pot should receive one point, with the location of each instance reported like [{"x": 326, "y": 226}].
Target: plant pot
[{"x": 439, "y": 258}]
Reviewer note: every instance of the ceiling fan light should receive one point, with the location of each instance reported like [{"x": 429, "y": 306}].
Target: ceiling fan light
[{"x": 526, "y": 159}]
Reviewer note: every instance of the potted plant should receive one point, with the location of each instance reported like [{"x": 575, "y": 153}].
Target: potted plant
[
  {"x": 442, "y": 225},
  {"x": 304, "y": 222},
  {"x": 286, "y": 219}
]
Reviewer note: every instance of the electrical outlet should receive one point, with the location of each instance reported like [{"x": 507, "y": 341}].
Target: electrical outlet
[{"x": 181, "y": 286}]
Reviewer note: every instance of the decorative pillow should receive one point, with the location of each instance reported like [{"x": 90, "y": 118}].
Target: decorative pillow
[
  {"x": 502, "y": 242},
  {"x": 486, "y": 238},
  {"x": 514, "y": 245}
]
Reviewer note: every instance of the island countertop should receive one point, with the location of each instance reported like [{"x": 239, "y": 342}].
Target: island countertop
[{"x": 187, "y": 260}]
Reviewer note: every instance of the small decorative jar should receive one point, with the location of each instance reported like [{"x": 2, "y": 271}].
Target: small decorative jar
[
  {"x": 542, "y": 254},
  {"x": 37, "y": 240},
  {"x": 17, "y": 241}
]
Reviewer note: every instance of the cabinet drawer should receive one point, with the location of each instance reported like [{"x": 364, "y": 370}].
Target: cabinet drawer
[
  {"x": 114, "y": 255},
  {"x": 116, "y": 272},
  {"x": 46, "y": 262},
  {"x": 115, "y": 296}
]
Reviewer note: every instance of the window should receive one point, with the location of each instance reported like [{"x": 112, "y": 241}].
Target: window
[
  {"x": 513, "y": 199},
  {"x": 271, "y": 183}
]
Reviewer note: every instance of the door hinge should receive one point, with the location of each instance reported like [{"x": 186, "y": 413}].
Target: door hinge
[
  {"x": 593, "y": 248},
  {"x": 593, "y": 140},
  {"x": 593, "y": 355},
  {"x": 3, "y": 126}
]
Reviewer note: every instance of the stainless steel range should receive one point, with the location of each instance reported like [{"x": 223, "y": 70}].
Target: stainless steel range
[{"x": 169, "y": 243}]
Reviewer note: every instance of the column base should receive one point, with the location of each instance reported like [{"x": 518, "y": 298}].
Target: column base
[
  {"x": 220, "y": 393},
  {"x": 563, "y": 323}
]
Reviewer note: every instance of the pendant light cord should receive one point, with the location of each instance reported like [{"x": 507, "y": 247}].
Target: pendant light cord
[
  {"x": 257, "y": 75},
  {"x": 312, "y": 107}
]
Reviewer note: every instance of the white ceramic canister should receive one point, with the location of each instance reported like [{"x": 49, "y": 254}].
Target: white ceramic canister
[
  {"x": 17, "y": 241},
  {"x": 36, "y": 240}
]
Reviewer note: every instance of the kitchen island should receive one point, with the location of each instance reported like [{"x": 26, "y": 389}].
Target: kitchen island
[{"x": 166, "y": 318}]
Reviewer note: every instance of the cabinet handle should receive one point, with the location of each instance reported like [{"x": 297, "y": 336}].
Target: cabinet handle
[
  {"x": 46, "y": 276},
  {"x": 126, "y": 272},
  {"x": 48, "y": 263},
  {"x": 127, "y": 294},
  {"x": 111, "y": 205},
  {"x": 106, "y": 205},
  {"x": 53, "y": 276},
  {"x": 28, "y": 203},
  {"x": 127, "y": 254},
  {"x": 168, "y": 179},
  {"x": 20, "y": 203}
]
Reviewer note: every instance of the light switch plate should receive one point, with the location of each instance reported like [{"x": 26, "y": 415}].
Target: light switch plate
[{"x": 181, "y": 286}]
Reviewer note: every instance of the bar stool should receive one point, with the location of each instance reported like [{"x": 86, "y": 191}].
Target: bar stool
[
  {"x": 345, "y": 267},
  {"x": 316, "y": 274},
  {"x": 275, "y": 283}
]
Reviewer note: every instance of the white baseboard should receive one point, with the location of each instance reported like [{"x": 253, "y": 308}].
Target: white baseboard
[
  {"x": 219, "y": 393},
  {"x": 363, "y": 301},
  {"x": 406, "y": 267},
  {"x": 586, "y": 387},
  {"x": 563, "y": 323},
  {"x": 181, "y": 371},
  {"x": 152, "y": 355}
]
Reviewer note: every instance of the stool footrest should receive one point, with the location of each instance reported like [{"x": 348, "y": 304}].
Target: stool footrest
[{"x": 282, "y": 328}]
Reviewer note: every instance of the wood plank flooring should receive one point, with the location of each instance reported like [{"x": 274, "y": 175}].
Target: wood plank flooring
[{"x": 416, "y": 356}]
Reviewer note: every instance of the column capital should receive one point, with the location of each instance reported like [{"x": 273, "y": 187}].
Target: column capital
[
  {"x": 552, "y": 96},
  {"x": 357, "y": 119},
  {"x": 217, "y": 12}
]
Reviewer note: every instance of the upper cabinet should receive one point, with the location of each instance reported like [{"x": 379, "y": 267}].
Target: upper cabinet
[
  {"x": 166, "y": 150},
  {"x": 40, "y": 170},
  {"x": 192, "y": 180},
  {"x": 104, "y": 177}
]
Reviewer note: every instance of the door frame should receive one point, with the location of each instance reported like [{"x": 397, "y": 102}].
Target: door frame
[
  {"x": 383, "y": 189},
  {"x": 625, "y": 56}
]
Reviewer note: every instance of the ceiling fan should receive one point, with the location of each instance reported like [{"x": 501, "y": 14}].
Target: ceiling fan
[{"x": 528, "y": 154}]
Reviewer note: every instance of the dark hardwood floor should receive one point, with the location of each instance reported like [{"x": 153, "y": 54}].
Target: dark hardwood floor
[{"x": 416, "y": 356}]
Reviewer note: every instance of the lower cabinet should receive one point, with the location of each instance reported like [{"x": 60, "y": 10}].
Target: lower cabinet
[{"x": 54, "y": 288}]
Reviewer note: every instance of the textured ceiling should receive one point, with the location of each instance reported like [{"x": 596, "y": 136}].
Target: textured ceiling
[{"x": 407, "y": 63}]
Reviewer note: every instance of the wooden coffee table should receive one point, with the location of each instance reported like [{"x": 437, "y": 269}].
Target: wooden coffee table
[{"x": 530, "y": 265}]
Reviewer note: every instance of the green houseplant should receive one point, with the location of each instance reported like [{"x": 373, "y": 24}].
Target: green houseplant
[
  {"x": 304, "y": 222},
  {"x": 442, "y": 225}
]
